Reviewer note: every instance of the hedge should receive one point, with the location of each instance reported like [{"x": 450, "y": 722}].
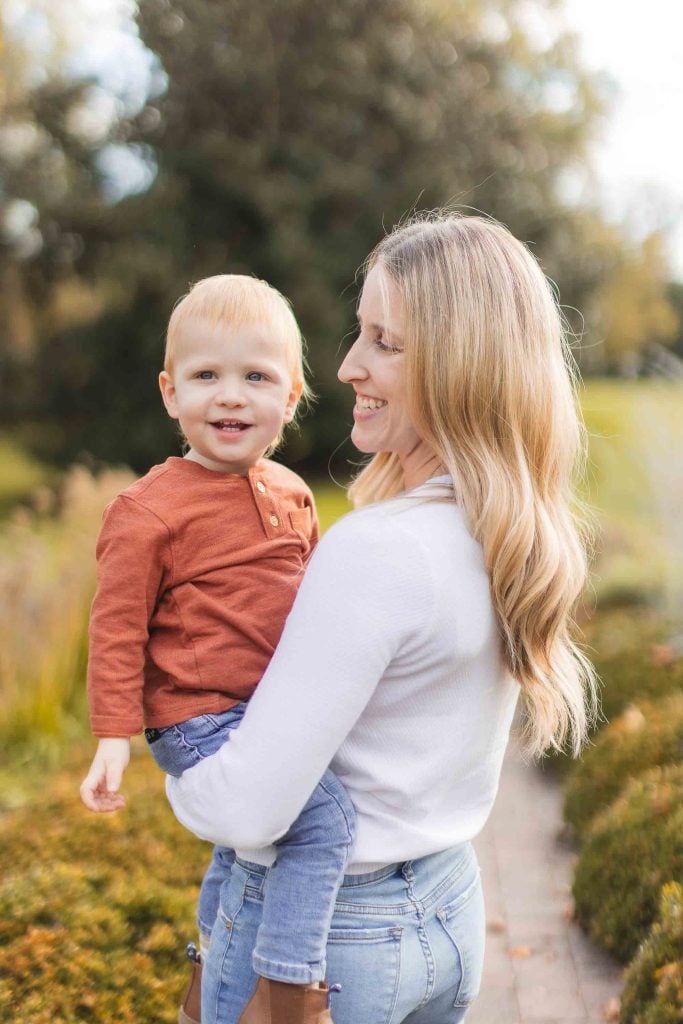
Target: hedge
[
  {"x": 632, "y": 849},
  {"x": 653, "y": 982},
  {"x": 630, "y": 654},
  {"x": 95, "y": 910},
  {"x": 643, "y": 737}
]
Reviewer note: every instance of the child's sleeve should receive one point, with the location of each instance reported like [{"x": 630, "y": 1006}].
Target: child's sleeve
[
  {"x": 314, "y": 535},
  {"x": 133, "y": 566}
]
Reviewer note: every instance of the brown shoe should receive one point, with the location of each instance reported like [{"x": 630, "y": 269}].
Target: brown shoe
[
  {"x": 276, "y": 1002},
  {"x": 190, "y": 1011}
]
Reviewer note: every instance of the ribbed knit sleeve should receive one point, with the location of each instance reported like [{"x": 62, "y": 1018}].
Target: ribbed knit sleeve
[
  {"x": 133, "y": 561},
  {"x": 366, "y": 600}
]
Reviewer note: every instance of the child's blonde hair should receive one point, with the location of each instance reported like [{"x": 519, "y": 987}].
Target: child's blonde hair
[
  {"x": 491, "y": 384},
  {"x": 236, "y": 300}
]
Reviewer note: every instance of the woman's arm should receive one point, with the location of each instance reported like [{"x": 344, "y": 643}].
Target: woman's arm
[{"x": 365, "y": 595}]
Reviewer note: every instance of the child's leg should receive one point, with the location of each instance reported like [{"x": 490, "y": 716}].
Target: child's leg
[
  {"x": 217, "y": 872},
  {"x": 177, "y": 748},
  {"x": 301, "y": 887}
]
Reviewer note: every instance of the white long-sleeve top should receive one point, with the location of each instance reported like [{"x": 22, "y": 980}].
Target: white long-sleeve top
[{"x": 390, "y": 671}]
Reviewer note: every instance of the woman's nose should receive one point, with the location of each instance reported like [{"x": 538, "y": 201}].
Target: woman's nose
[{"x": 351, "y": 367}]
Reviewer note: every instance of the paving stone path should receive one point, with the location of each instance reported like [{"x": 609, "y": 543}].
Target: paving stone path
[{"x": 540, "y": 968}]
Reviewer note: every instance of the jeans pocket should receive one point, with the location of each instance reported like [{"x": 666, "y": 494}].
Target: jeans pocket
[
  {"x": 366, "y": 962},
  {"x": 172, "y": 752},
  {"x": 179, "y": 747},
  {"x": 463, "y": 921}
]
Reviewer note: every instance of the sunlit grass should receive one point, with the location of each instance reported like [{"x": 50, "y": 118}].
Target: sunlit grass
[
  {"x": 331, "y": 502},
  {"x": 20, "y": 474},
  {"x": 47, "y": 578},
  {"x": 635, "y": 485}
]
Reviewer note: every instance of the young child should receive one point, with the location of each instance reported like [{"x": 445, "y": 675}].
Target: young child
[{"x": 198, "y": 565}]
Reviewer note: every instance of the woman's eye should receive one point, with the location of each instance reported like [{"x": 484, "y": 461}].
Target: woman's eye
[
  {"x": 255, "y": 375},
  {"x": 384, "y": 347}
]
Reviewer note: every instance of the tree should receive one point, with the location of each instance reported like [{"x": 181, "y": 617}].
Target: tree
[
  {"x": 289, "y": 135},
  {"x": 633, "y": 310}
]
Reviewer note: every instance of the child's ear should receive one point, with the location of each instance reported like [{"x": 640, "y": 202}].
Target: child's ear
[
  {"x": 292, "y": 401},
  {"x": 167, "y": 388}
]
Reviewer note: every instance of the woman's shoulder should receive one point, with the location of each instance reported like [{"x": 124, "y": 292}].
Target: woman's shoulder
[{"x": 411, "y": 526}]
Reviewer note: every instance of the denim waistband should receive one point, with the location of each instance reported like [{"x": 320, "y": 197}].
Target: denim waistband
[{"x": 426, "y": 877}]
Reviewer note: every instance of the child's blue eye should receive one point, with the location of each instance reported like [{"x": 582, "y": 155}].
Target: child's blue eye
[
  {"x": 206, "y": 375},
  {"x": 255, "y": 376}
]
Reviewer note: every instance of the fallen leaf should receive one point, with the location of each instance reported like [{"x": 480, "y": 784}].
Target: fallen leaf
[
  {"x": 520, "y": 952},
  {"x": 496, "y": 925},
  {"x": 610, "y": 1009}
]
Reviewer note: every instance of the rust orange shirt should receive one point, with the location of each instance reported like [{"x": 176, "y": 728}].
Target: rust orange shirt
[{"x": 196, "y": 574}]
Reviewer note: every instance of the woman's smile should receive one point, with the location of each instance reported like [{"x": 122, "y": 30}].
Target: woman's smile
[{"x": 366, "y": 405}]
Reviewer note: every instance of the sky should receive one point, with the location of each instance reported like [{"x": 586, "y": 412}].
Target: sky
[{"x": 640, "y": 157}]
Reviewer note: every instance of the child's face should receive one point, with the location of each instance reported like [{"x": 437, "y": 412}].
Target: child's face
[{"x": 231, "y": 390}]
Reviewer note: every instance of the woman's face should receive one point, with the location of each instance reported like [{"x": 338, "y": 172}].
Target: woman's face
[{"x": 375, "y": 367}]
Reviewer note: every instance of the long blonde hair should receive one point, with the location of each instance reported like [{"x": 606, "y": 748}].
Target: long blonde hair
[{"x": 492, "y": 389}]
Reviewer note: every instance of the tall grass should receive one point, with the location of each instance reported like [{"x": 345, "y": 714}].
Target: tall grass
[{"x": 47, "y": 576}]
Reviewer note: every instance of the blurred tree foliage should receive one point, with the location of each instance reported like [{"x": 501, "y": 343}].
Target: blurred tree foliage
[
  {"x": 290, "y": 134},
  {"x": 675, "y": 295}
]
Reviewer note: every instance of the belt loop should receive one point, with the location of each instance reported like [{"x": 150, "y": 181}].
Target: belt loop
[{"x": 407, "y": 871}]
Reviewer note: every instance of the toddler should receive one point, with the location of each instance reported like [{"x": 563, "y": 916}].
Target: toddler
[{"x": 198, "y": 565}]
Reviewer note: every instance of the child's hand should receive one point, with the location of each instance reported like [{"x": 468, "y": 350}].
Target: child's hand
[{"x": 99, "y": 789}]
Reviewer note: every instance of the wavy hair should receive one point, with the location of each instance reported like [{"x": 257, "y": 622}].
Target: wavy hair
[{"x": 492, "y": 386}]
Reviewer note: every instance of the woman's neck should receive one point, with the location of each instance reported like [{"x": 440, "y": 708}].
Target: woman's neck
[{"x": 420, "y": 465}]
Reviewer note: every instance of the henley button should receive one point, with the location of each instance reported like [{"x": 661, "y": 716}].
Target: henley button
[
  {"x": 274, "y": 521},
  {"x": 260, "y": 486}
]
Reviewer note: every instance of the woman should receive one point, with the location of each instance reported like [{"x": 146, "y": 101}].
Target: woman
[{"x": 419, "y": 620}]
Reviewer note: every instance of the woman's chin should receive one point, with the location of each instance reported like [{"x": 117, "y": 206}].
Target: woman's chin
[{"x": 363, "y": 444}]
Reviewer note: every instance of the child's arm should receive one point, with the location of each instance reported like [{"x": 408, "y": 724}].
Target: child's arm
[
  {"x": 132, "y": 569},
  {"x": 100, "y": 787}
]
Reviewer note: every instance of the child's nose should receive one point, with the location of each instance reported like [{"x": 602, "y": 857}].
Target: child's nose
[{"x": 231, "y": 393}]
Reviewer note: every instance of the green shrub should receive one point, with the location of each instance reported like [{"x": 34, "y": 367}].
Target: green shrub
[
  {"x": 643, "y": 737},
  {"x": 95, "y": 909},
  {"x": 653, "y": 983},
  {"x": 628, "y": 649},
  {"x": 631, "y": 850}
]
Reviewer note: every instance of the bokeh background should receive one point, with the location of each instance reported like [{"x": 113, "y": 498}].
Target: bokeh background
[{"x": 145, "y": 145}]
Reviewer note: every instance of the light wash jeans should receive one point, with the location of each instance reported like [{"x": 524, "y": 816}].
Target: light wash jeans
[
  {"x": 406, "y": 942},
  {"x": 311, "y": 858}
]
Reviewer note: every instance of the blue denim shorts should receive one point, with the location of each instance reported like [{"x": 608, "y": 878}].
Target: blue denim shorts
[
  {"x": 176, "y": 748},
  {"x": 406, "y": 942}
]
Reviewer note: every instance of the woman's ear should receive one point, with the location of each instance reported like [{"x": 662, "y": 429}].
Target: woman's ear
[
  {"x": 292, "y": 400},
  {"x": 168, "y": 394}
]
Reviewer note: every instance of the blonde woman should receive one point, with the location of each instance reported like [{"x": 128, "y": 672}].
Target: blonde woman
[{"x": 421, "y": 618}]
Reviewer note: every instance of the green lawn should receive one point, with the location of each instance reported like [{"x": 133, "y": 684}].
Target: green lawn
[{"x": 635, "y": 485}]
